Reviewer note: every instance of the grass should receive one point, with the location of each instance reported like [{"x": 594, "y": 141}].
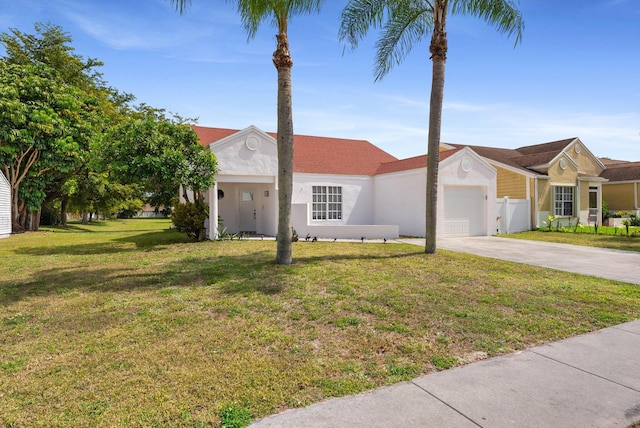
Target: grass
[
  {"x": 126, "y": 323},
  {"x": 604, "y": 239}
]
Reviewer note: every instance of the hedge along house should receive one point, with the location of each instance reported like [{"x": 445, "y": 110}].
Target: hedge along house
[
  {"x": 343, "y": 188},
  {"x": 622, "y": 190},
  {"x": 5, "y": 207},
  {"x": 561, "y": 179}
]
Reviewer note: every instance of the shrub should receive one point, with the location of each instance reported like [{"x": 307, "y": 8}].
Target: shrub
[
  {"x": 190, "y": 218},
  {"x": 621, "y": 214},
  {"x": 605, "y": 211}
]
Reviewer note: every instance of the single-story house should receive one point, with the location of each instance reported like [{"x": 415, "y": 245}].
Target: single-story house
[
  {"x": 344, "y": 188},
  {"x": 149, "y": 211},
  {"x": 622, "y": 190},
  {"x": 5, "y": 207},
  {"x": 561, "y": 178}
]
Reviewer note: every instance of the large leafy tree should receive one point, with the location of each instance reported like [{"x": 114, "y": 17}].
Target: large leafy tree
[
  {"x": 253, "y": 13},
  {"x": 403, "y": 24},
  {"x": 158, "y": 153},
  {"x": 39, "y": 114},
  {"x": 51, "y": 45},
  {"x": 40, "y": 68}
]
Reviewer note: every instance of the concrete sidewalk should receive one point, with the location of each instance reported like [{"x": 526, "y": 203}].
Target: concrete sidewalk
[{"x": 591, "y": 380}]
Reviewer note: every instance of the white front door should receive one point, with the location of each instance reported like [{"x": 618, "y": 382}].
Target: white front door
[{"x": 247, "y": 211}]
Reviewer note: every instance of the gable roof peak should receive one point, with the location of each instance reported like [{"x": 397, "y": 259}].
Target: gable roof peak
[{"x": 550, "y": 147}]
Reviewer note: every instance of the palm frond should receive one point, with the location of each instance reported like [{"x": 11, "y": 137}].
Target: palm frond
[
  {"x": 180, "y": 5},
  {"x": 254, "y": 12},
  {"x": 406, "y": 27},
  {"x": 502, "y": 14},
  {"x": 358, "y": 17}
]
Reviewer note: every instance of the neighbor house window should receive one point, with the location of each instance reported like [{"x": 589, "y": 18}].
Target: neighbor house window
[
  {"x": 564, "y": 197},
  {"x": 327, "y": 203}
]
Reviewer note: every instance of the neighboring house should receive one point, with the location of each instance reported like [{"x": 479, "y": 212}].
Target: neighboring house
[
  {"x": 344, "y": 188},
  {"x": 561, "y": 178},
  {"x": 5, "y": 207},
  {"x": 152, "y": 212},
  {"x": 622, "y": 190}
]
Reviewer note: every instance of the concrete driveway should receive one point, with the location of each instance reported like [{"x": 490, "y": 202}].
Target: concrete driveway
[{"x": 610, "y": 264}]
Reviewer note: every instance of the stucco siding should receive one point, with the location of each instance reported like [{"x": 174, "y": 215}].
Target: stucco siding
[
  {"x": 247, "y": 154},
  {"x": 567, "y": 175},
  {"x": 586, "y": 163},
  {"x": 400, "y": 199},
  {"x": 511, "y": 184},
  {"x": 619, "y": 196},
  {"x": 584, "y": 196},
  {"x": 357, "y": 195},
  {"x": 544, "y": 195}
]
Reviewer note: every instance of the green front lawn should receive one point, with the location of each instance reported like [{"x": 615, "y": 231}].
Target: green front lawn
[
  {"x": 607, "y": 237},
  {"x": 125, "y": 323}
]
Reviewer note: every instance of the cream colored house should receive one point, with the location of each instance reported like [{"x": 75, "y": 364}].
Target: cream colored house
[
  {"x": 560, "y": 179},
  {"x": 622, "y": 190}
]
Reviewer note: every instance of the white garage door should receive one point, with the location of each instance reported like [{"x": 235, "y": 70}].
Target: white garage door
[{"x": 464, "y": 211}]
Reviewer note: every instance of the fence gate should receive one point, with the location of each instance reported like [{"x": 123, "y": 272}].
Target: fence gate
[{"x": 514, "y": 215}]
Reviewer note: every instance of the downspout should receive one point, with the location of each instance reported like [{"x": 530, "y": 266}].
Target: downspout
[
  {"x": 577, "y": 205},
  {"x": 535, "y": 202},
  {"x": 528, "y": 195},
  {"x": 635, "y": 195}
]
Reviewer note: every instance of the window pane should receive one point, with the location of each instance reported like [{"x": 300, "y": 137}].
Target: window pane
[{"x": 326, "y": 203}]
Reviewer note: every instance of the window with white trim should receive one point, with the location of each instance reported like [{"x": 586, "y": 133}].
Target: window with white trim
[
  {"x": 327, "y": 203},
  {"x": 563, "y": 201}
]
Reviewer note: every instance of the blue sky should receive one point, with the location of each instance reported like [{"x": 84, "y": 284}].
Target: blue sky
[{"x": 575, "y": 74}]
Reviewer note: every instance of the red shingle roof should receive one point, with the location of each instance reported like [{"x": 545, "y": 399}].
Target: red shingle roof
[
  {"x": 323, "y": 155},
  {"x": 210, "y": 135},
  {"x": 412, "y": 163},
  {"x": 319, "y": 155}
]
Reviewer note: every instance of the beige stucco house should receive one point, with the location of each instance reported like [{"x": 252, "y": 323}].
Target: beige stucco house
[
  {"x": 562, "y": 179},
  {"x": 622, "y": 190}
]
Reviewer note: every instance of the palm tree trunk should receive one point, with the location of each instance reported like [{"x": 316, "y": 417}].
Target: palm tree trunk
[
  {"x": 282, "y": 61},
  {"x": 438, "y": 51}
]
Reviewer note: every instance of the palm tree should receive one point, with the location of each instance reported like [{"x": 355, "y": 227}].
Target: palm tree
[
  {"x": 253, "y": 13},
  {"x": 405, "y": 23}
]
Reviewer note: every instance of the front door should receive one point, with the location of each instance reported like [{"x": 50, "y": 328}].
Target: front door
[
  {"x": 247, "y": 211},
  {"x": 593, "y": 205}
]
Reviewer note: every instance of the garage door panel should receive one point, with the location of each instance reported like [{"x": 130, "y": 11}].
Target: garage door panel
[{"x": 464, "y": 211}]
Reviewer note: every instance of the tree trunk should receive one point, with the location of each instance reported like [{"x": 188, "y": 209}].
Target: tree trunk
[
  {"x": 16, "y": 224},
  {"x": 282, "y": 61},
  {"x": 438, "y": 51},
  {"x": 85, "y": 217},
  {"x": 63, "y": 211},
  {"x": 35, "y": 220}
]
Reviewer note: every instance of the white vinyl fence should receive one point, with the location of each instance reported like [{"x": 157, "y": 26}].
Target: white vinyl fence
[{"x": 514, "y": 215}]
